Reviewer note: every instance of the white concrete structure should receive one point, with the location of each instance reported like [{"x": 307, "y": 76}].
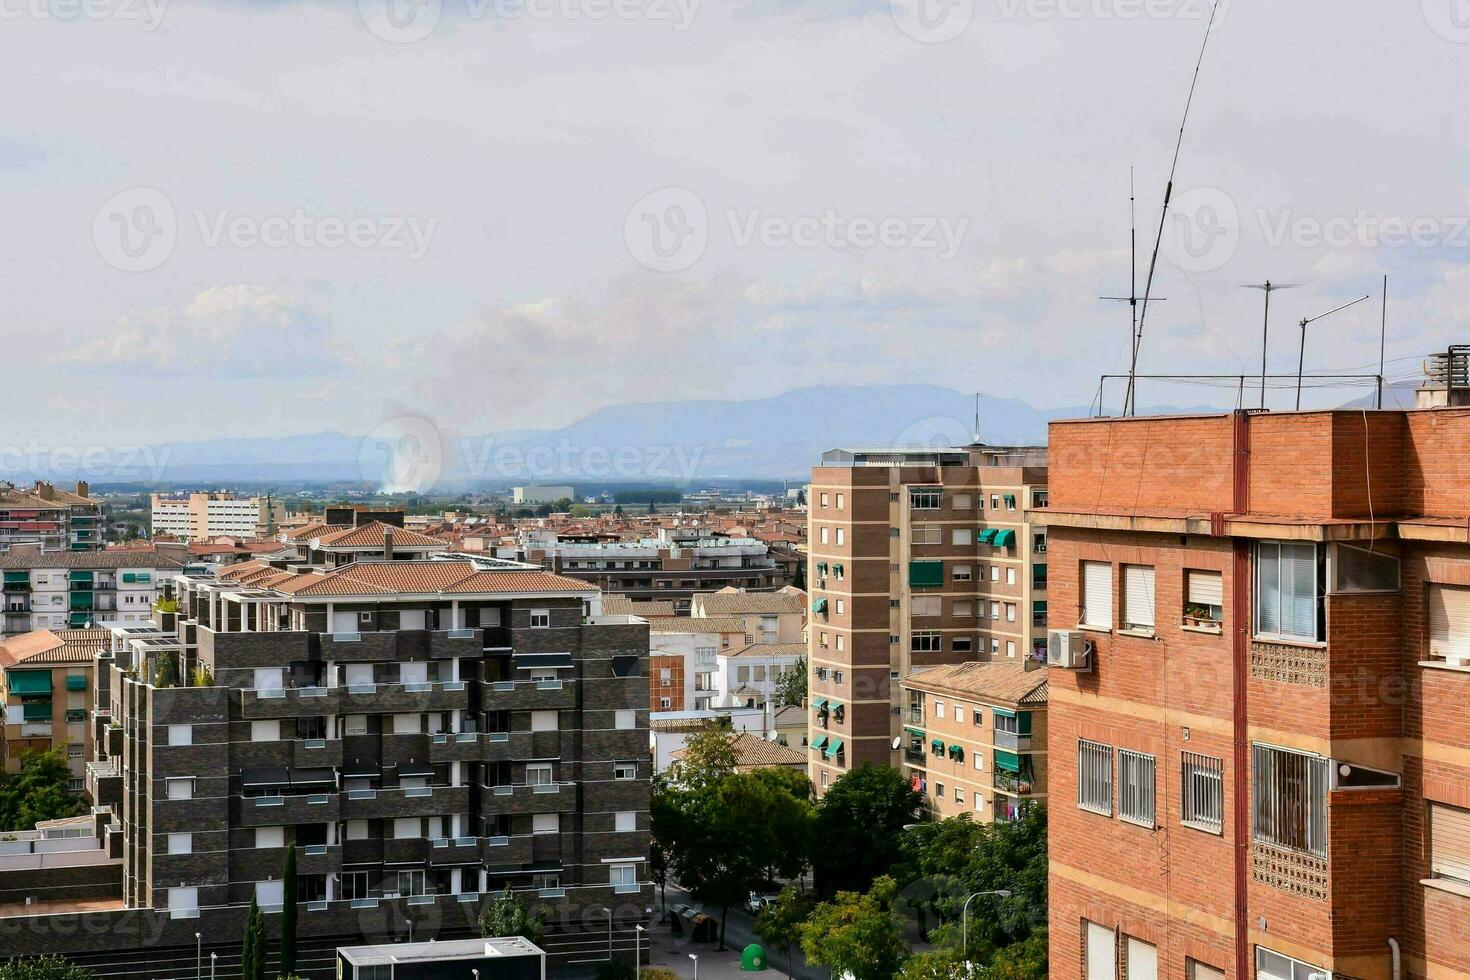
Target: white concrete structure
[
  {"x": 70, "y": 589},
  {"x": 199, "y": 516},
  {"x": 540, "y": 495}
]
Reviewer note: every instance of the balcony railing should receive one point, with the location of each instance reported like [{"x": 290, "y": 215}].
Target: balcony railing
[
  {"x": 1012, "y": 741},
  {"x": 1014, "y": 783}
]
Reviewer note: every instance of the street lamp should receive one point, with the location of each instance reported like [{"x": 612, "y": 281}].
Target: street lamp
[
  {"x": 637, "y": 947},
  {"x": 965, "y": 921},
  {"x": 213, "y": 957},
  {"x": 198, "y": 956},
  {"x": 609, "y": 932},
  {"x": 695, "y": 958}
]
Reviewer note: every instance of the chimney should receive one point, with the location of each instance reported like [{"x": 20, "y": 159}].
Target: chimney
[
  {"x": 44, "y": 490},
  {"x": 388, "y": 543},
  {"x": 82, "y": 488}
]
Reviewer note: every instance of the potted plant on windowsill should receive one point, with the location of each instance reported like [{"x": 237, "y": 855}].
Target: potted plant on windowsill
[{"x": 1202, "y": 617}]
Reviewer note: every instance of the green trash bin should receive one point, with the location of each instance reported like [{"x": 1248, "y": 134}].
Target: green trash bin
[{"x": 753, "y": 958}]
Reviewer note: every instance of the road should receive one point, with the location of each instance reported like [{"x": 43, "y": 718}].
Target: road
[{"x": 739, "y": 932}]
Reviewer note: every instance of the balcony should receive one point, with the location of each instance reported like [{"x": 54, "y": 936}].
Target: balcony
[
  {"x": 455, "y": 747},
  {"x": 406, "y": 850},
  {"x": 506, "y": 851},
  {"x": 404, "y": 698},
  {"x": 271, "y": 811},
  {"x": 528, "y": 695},
  {"x": 1012, "y": 741},
  {"x": 527, "y": 798},
  {"x": 319, "y": 858},
  {"x": 916, "y": 715},
  {"x": 316, "y": 753},
  {"x": 288, "y": 702},
  {"x": 1013, "y": 783},
  {"x": 444, "y": 644},
  {"x": 427, "y": 801},
  {"x": 1289, "y": 663},
  {"x": 450, "y": 851},
  {"x": 915, "y": 757}
]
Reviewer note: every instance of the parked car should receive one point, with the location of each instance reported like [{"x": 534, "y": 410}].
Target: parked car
[{"x": 757, "y": 901}]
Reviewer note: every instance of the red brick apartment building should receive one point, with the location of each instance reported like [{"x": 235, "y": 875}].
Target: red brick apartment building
[{"x": 1264, "y": 766}]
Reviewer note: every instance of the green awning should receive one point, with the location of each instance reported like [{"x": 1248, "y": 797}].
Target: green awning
[
  {"x": 937, "y": 745},
  {"x": 81, "y": 600},
  {"x": 821, "y": 568},
  {"x": 957, "y": 753},
  {"x": 987, "y": 536},
  {"x": 833, "y": 748},
  {"x": 78, "y": 619},
  {"x": 1003, "y": 712},
  {"x": 17, "y": 578},
  {"x": 819, "y": 606},
  {"x": 28, "y": 681},
  {"x": 1005, "y": 539},
  {"x": 1009, "y": 498},
  {"x": 1039, "y": 607},
  {"x": 819, "y": 704},
  {"x": 37, "y": 711},
  {"x": 915, "y": 732},
  {"x": 820, "y": 742},
  {"x": 80, "y": 576},
  {"x": 926, "y": 574},
  {"x": 838, "y": 569},
  {"x": 1007, "y": 761},
  {"x": 76, "y": 682}
]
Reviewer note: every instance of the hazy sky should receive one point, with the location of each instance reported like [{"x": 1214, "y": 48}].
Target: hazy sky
[{"x": 255, "y": 218}]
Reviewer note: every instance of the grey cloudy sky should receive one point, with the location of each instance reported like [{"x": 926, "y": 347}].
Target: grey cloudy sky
[{"x": 255, "y": 218}]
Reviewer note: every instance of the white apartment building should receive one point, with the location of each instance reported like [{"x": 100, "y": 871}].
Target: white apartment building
[
  {"x": 540, "y": 495},
  {"x": 747, "y": 678},
  {"x": 200, "y": 516},
  {"x": 75, "y": 589}
]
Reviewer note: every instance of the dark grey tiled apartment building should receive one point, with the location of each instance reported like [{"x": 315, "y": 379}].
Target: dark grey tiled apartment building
[{"x": 425, "y": 731}]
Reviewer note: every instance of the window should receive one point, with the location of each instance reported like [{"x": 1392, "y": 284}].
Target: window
[
  {"x": 625, "y": 820},
  {"x": 822, "y": 534},
  {"x": 960, "y": 573},
  {"x": 1138, "y": 597},
  {"x": 265, "y": 731},
  {"x": 926, "y": 535},
  {"x": 840, "y": 501},
  {"x": 539, "y": 774},
  {"x": 1011, "y": 649},
  {"x": 1363, "y": 570},
  {"x": 959, "y": 536},
  {"x": 995, "y": 573},
  {"x": 625, "y": 770},
  {"x": 841, "y": 535},
  {"x": 1202, "y": 792},
  {"x": 995, "y": 610},
  {"x": 962, "y": 644},
  {"x": 824, "y": 779},
  {"x": 924, "y": 641},
  {"x": 1287, "y": 593},
  {"x": 1290, "y": 793},
  {"x": 181, "y": 843},
  {"x": 624, "y": 877},
  {"x": 1204, "y": 599},
  {"x": 959, "y": 795},
  {"x": 1136, "y": 774},
  {"x": 545, "y": 823},
  {"x": 1095, "y": 777},
  {"x": 1449, "y": 623},
  {"x": 1097, "y": 595},
  {"x": 1195, "y": 970},
  {"x": 1141, "y": 960},
  {"x": 823, "y": 499},
  {"x": 540, "y": 619},
  {"x": 545, "y": 721},
  {"x": 961, "y": 501},
  {"x": 979, "y": 718},
  {"x": 927, "y": 605},
  {"x": 270, "y": 836},
  {"x": 183, "y": 901},
  {"x": 995, "y": 501},
  {"x": 626, "y": 718},
  {"x": 1010, "y": 612},
  {"x": 1449, "y": 842},
  {"x": 180, "y": 734},
  {"x": 926, "y": 498},
  {"x": 73, "y": 750},
  {"x": 665, "y": 703},
  {"x": 180, "y": 788},
  {"x": 964, "y": 609},
  {"x": 939, "y": 791},
  {"x": 1100, "y": 952},
  {"x": 959, "y": 712},
  {"x": 841, "y": 608},
  {"x": 1274, "y": 966}
]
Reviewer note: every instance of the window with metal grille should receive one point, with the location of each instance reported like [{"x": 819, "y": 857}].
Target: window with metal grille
[
  {"x": 1449, "y": 842},
  {"x": 1097, "y": 594},
  {"x": 1202, "y": 792},
  {"x": 1289, "y": 790},
  {"x": 1095, "y": 777},
  {"x": 1136, "y": 781},
  {"x": 1138, "y": 597},
  {"x": 1288, "y": 591}
]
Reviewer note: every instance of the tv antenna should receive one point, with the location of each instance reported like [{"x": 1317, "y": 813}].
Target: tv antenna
[
  {"x": 1132, "y": 298},
  {"x": 1269, "y": 287},
  {"x": 1130, "y": 405},
  {"x": 1302, "y": 355}
]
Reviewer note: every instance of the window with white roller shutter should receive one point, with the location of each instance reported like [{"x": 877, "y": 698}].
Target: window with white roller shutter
[
  {"x": 1449, "y": 842},
  {"x": 1449, "y": 622},
  {"x": 1204, "y": 598},
  {"x": 1101, "y": 951},
  {"x": 1138, "y": 597},
  {"x": 1097, "y": 594},
  {"x": 1141, "y": 960}
]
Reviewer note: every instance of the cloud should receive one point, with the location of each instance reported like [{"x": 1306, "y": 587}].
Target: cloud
[{"x": 232, "y": 331}]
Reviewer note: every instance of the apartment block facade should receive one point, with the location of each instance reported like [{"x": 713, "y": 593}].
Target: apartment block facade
[
  {"x": 974, "y": 739},
  {"x": 47, "y": 518},
  {"x": 1260, "y": 760},
  {"x": 201, "y": 516},
  {"x": 425, "y": 732},
  {"x": 918, "y": 558},
  {"x": 46, "y": 683},
  {"x": 74, "y": 589}
]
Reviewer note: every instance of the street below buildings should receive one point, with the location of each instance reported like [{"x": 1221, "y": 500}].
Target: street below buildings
[{"x": 672, "y": 951}]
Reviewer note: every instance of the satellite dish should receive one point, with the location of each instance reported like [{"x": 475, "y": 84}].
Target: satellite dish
[{"x": 897, "y": 741}]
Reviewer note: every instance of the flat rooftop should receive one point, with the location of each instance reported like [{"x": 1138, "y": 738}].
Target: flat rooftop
[{"x": 457, "y": 949}]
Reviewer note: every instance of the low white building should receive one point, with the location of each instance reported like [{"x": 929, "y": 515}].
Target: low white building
[
  {"x": 747, "y": 678},
  {"x": 73, "y": 589},
  {"x": 541, "y": 495},
  {"x": 669, "y": 731}
]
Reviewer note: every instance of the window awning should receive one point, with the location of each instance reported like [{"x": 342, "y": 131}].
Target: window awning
[
  {"x": 957, "y": 753},
  {"x": 987, "y": 536},
  {"x": 937, "y": 745},
  {"x": 1005, "y": 539},
  {"x": 28, "y": 681},
  {"x": 265, "y": 776},
  {"x": 838, "y": 568},
  {"x": 926, "y": 574},
  {"x": 1007, "y": 761},
  {"x": 819, "y": 704},
  {"x": 821, "y": 568},
  {"x": 915, "y": 732},
  {"x": 76, "y": 682},
  {"x": 819, "y": 742},
  {"x": 819, "y": 606},
  {"x": 1009, "y": 498},
  {"x": 1003, "y": 712},
  {"x": 833, "y": 748},
  {"x": 36, "y": 711},
  {"x": 542, "y": 661},
  {"x": 313, "y": 777}
]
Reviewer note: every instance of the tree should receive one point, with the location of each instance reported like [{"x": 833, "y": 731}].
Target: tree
[
  {"x": 1025, "y": 960},
  {"x": 252, "y": 945},
  {"x": 709, "y": 756},
  {"x": 858, "y": 935},
  {"x": 288, "y": 912},
  {"x": 50, "y": 967},
  {"x": 791, "y": 685},
  {"x": 665, "y": 826},
  {"x": 859, "y": 826},
  {"x": 798, "y": 580},
  {"x": 544, "y": 510},
  {"x": 508, "y": 914},
  {"x": 618, "y": 509},
  {"x": 938, "y": 964},
  {"x": 38, "y": 791},
  {"x": 166, "y": 671},
  {"x": 652, "y": 507},
  {"x": 779, "y": 923}
]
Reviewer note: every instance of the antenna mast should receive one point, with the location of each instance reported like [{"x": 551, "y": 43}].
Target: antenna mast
[{"x": 1130, "y": 405}]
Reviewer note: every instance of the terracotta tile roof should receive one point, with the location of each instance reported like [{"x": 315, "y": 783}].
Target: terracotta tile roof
[
  {"x": 87, "y": 559},
  {"x": 53, "y": 647},
  {"x": 754, "y": 752},
  {"x": 371, "y": 536},
  {"x": 617, "y": 605},
  {"x": 428, "y": 577},
  {"x": 771, "y": 650},
  {"x": 241, "y": 571},
  {"x": 314, "y": 530},
  {"x": 1000, "y": 680},
  {"x": 522, "y": 582},
  {"x": 697, "y": 624},
  {"x": 298, "y": 582},
  {"x": 733, "y": 602}
]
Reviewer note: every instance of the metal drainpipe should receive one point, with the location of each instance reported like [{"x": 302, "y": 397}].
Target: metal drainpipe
[
  {"x": 1398, "y": 963},
  {"x": 1240, "y": 649}
]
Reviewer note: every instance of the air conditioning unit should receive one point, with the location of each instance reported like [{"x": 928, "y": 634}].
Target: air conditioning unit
[{"x": 1068, "y": 650}]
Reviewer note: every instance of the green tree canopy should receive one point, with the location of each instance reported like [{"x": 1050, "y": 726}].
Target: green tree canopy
[
  {"x": 791, "y": 685},
  {"x": 37, "y": 791},
  {"x": 779, "y": 923},
  {"x": 857, "y": 934},
  {"x": 859, "y": 827},
  {"x": 51, "y": 967},
  {"x": 509, "y": 914}
]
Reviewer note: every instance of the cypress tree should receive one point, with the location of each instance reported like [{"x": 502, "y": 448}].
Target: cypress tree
[{"x": 288, "y": 913}]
